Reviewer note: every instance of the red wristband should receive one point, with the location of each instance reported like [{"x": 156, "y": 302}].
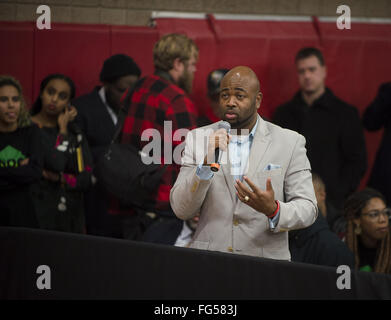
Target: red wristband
[{"x": 275, "y": 212}]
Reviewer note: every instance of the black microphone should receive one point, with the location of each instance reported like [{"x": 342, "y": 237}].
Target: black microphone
[{"x": 216, "y": 165}]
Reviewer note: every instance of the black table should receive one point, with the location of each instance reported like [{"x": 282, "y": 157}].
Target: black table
[{"x": 90, "y": 267}]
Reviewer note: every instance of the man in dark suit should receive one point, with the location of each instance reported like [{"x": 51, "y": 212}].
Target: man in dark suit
[
  {"x": 332, "y": 128},
  {"x": 97, "y": 117}
]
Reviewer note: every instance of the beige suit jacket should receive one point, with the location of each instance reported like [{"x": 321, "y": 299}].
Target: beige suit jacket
[{"x": 228, "y": 225}]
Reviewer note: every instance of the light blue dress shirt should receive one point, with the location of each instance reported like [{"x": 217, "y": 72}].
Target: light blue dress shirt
[{"x": 239, "y": 151}]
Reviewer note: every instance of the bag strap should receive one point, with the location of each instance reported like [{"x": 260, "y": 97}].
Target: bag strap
[
  {"x": 123, "y": 111},
  {"x": 127, "y": 101}
]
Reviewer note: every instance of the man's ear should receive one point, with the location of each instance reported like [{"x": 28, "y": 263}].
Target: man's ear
[
  {"x": 258, "y": 99},
  {"x": 178, "y": 65}
]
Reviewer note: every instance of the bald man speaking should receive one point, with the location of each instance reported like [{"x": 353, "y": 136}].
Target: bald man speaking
[{"x": 262, "y": 187}]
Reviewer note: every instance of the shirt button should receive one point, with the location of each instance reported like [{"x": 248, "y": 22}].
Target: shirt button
[{"x": 230, "y": 249}]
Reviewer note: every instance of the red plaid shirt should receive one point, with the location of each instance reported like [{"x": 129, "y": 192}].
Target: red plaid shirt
[{"x": 155, "y": 100}]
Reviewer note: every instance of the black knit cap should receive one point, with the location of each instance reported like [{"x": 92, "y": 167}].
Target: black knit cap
[
  {"x": 117, "y": 66},
  {"x": 214, "y": 79}
]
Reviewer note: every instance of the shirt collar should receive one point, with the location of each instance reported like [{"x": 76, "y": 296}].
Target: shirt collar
[
  {"x": 102, "y": 95},
  {"x": 243, "y": 139},
  {"x": 253, "y": 130},
  {"x": 164, "y": 74}
]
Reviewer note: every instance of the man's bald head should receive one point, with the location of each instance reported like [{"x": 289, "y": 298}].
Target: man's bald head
[
  {"x": 240, "y": 97},
  {"x": 245, "y": 74}
]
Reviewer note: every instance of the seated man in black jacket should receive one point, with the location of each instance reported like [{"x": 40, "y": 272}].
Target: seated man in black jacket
[
  {"x": 97, "y": 117},
  {"x": 332, "y": 128},
  {"x": 329, "y": 212},
  {"x": 317, "y": 244},
  {"x": 172, "y": 232}
]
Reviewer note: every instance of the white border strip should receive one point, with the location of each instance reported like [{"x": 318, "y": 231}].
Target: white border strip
[
  {"x": 256, "y": 17},
  {"x": 222, "y": 16},
  {"x": 359, "y": 20},
  {"x": 180, "y": 15}
]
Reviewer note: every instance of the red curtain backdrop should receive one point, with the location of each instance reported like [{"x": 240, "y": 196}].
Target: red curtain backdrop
[{"x": 358, "y": 60}]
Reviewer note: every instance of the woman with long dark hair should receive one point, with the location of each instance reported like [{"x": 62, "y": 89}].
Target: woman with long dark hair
[
  {"x": 20, "y": 157},
  {"x": 67, "y": 174},
  {"x": 368, "y": 230}
]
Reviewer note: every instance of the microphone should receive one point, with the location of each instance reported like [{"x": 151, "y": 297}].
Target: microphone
[{"x": 216, "y": 165}]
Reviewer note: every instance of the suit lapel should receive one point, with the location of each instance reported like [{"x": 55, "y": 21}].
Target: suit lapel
[
  {"x": 229, "y": 178},
  {"x": 259, "y": 147}
]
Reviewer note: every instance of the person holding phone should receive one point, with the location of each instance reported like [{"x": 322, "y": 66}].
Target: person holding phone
[{"x": 58, "y": 197}]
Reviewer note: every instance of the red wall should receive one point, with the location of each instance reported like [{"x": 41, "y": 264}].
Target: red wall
[{"x": 358, "y": 60}]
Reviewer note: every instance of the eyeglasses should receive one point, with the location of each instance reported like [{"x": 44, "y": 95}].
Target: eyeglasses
[{"x": 373, "y": 215}]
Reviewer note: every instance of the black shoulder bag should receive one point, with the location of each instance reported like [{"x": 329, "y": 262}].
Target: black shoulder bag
[{"x": 123, "y": 173}]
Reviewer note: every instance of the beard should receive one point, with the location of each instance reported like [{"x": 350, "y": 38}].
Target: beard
[
  {"x": 185, "y": 82},
  {"x": 243, "y": 120},
  {"x": 241, "y": 123}
]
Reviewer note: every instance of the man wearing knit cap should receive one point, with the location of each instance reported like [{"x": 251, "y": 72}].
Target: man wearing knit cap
[
  {"x": 97, "y": 117},
  {"x": 213, "y": 94},
  {"x": 213, "y": 84},
  {"x": 159, "y": 99}
]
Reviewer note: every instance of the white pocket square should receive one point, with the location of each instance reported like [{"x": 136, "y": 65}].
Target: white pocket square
[{"x": 271, "y": 166}]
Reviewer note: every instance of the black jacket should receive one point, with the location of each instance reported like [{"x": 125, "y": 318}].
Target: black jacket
[
  {"x": 164, "y": 231},
  {"x": 95, "y": 122},
  {"x": 378, "y": 116},
  {"x": 317, "y": 244},
  {"x": 335, "y": 141},
  {"x": 59, "y": 206},
  {"x": 98, "y": 127}
]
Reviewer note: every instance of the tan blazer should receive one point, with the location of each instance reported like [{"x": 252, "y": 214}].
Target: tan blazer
[{"x": 228, "y": 225}]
